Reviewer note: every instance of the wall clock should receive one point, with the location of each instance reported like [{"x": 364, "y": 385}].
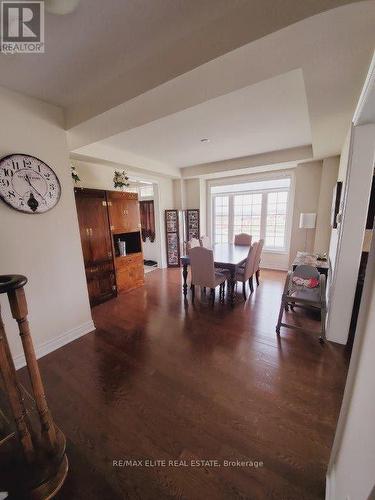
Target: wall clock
[{"x": 28, "y": 184}]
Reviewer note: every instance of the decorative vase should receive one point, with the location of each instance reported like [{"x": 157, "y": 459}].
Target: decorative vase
[{"x": 121, "y": 247}]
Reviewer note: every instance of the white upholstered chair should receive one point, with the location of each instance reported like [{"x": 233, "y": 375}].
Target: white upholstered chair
[
  {"x": 242, "y": 239},
  {"x": 205, "y": 242},
  {"x": 258, "y": 259},
  {"x": 194, "y": 242},
  {"x": 246, "y": 273},
  {"x": 203, "y": 272}
]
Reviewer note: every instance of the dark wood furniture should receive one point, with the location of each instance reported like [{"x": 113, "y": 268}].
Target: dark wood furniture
[
  {"x": 104, "y": 218},
  {"x": 226, "y": 256},
  {"x": 33, "y": 463},
  {"x": 125, "y": 224},
  {"x": 304, "y": 258},
  {"x": 96, "y": 242}
]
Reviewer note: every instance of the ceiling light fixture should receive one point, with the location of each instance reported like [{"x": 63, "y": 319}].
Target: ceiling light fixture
[
  {"x": 205, "y": 140},
  {"x": 61, "y": 7}
]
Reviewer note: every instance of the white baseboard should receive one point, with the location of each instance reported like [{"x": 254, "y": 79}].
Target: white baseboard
[{"x": 53, "y": 344}]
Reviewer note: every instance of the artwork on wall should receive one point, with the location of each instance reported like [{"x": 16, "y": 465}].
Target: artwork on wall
[
  {"x": 192, "y": 224},
  {"x": 172, "y": 238},
  {"x": 336, "y": 200}
]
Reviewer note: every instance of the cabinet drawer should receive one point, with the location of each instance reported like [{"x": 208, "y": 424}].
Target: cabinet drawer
[
  {"x": 127, "y": 260},
  {"x": 129, "y": 272}
]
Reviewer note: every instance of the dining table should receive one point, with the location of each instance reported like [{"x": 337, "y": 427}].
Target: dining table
[{"x": 226, "y": 256}]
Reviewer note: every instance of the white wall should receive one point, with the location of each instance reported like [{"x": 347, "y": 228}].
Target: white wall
[
  {"x": 351, "y": 475},
  {"x": 323, "y": 220},
  {"x": 45, "y": 247},
  {"x": 360, "y": 165},
  {"x": 341, "y": 176}
]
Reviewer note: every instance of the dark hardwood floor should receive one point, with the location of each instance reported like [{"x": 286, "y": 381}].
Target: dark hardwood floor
[{"x": 161, "y": 379}]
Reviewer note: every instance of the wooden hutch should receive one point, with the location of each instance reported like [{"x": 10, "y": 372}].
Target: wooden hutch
[{"x": 105, "y": 217}]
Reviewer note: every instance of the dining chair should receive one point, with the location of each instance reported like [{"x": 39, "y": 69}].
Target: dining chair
[
  {"x": 258, "y": 259},
  {"x": 194, "y": 242},
  {"x": 203, "y": 272},
  {"x": 242, "y": 239},
  {"x": 304, "y": 287},
  {"x": 245, "y": 274},
  {"x": 205, "y": 242}
]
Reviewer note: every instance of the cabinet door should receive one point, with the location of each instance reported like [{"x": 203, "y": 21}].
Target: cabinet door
[
  {"x": 124, "y": 212},
  {"x": 96, "y": 244}
]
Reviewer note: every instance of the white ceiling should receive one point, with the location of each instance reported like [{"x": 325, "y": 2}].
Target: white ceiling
[
  {"x": 245, "y": 122},
  {"x": 249, "y": 101},
  {"x": 109, "y": 51}
]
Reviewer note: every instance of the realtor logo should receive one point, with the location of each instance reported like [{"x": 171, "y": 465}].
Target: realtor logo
[{"x": 22, "y": 27}]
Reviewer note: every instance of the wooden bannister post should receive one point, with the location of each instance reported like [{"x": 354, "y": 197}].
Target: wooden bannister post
[
  {"x": 18, "y": 306},
  {"x": 14, "y": 394}
]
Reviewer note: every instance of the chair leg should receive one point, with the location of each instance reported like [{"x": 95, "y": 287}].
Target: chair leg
[
  {"x": 257, "y": 273},
  {"x": 251, "y": 285},
  {"x": 213, "y": 295},
  {"x": 244, "y": 290},
  {"x": 192, "y": 287},
  {"x": 282, "y": 306},
  {"x": 222, "y": 291}
]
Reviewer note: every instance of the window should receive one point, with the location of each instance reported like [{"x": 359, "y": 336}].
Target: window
[
  {"x": 247, "y": 214},
  {"x": 221, "y": 219},
  {"x": 146, "y": 191},
  {"x": 258, "y": 208},
  {"x": 276, "y": 219}
]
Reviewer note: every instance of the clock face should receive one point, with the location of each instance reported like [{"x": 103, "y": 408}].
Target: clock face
[{"x": 28, "y": 184}]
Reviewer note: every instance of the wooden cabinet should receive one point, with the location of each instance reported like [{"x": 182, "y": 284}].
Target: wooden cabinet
[
  {"x": 96, "y": 244},
  {"x": 129, "y": 271},
  {"x": 105, "y": 216},
  {"x": 123, "y": 212}
]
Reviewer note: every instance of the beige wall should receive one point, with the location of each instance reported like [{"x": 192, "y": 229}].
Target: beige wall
[
  {"x": 45, "y": 247},
  {"x": 323, "y": 221},
  {"x": 306, "y": 199}
]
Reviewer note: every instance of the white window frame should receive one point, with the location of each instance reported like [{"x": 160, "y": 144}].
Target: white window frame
[{"x": 264, "y": 192}]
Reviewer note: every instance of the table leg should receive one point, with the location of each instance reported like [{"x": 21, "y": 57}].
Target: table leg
[
  {"x": 184, "y": 275},
  {"x": 232, "y": 284}
]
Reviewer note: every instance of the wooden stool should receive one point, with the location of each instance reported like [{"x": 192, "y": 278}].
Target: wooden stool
[{"x": 33, "y": 463}]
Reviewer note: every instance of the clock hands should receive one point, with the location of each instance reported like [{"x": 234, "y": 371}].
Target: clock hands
[{"x": 37, "y": 192}]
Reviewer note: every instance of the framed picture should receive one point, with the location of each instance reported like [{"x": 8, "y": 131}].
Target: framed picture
[
  {"x": 172, "y": 238},
  {"x": 192, "y": 224},
  {"x": 336, "y": 200}
]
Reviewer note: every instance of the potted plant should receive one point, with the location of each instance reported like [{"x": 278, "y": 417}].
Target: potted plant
[
  {"x": 121, "y": 179},
  {"x": 75, "y": 175}
]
